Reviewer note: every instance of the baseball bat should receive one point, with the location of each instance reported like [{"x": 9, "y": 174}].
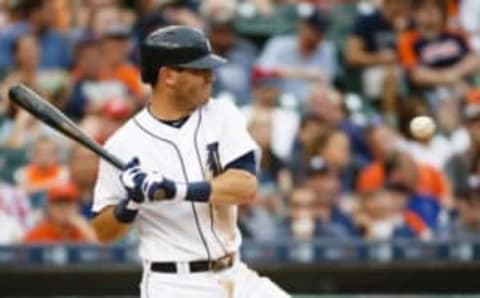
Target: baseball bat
[{"x": 53, "y": 117}]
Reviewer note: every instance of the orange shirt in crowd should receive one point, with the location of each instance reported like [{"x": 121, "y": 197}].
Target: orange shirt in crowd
[
  {"x": 430, "y": 180},
  {"x": 127, "y": 74},
  {"x": 46, "y": 232},
  {"x": 444, "y": 51},
  {"x": 34, "y": 176}
]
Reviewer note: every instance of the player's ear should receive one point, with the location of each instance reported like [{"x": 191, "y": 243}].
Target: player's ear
[{"x": 167, "y": 76}]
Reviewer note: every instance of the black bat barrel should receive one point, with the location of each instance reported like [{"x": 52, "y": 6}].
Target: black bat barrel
[{"x": 53, "y": 117}]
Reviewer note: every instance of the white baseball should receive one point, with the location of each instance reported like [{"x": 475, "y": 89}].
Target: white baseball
[{"x": 422, "y": 127}]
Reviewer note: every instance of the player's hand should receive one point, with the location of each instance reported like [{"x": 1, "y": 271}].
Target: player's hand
[
  {"x": 143, "y": 185},
  {"x": 132, "y": 179}
]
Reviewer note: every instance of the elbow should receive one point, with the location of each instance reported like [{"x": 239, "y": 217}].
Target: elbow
[
  {"x": 249, "y": 189},
  {"x": 102, "y": 236},
  {"x": 104, "y": 239}
]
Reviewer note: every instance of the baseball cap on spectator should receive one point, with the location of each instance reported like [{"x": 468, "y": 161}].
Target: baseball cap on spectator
[
  {"x": 471, "y": 110},
  {"x": 317, "y": 165},
  {"x": 117, "y": 109},
  {"x": 313, "y": 17},
  {"x": 265, "y": 78},
  {"x": 65, "y": 191}
]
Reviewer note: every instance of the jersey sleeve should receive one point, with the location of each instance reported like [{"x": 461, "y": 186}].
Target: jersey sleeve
[
  {"x": 234, "y": 139},
  {"x": 108, "y": 188}
]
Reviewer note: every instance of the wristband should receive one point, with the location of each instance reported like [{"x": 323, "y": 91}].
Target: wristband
[
  {"x": 125, "y": 211},
  {"x": 198, "y": 191}
]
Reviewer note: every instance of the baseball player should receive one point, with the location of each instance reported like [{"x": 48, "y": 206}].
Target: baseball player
[{"x": 191, "y": 163}]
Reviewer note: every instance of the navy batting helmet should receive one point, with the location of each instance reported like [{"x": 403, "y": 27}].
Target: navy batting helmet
[{"x": 176, "y": 46}]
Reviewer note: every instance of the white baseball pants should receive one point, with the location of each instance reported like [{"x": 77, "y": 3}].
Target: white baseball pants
[{"x": 236, "y": 282}]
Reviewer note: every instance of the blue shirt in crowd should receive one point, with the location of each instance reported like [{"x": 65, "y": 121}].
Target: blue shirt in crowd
[
  {"x": 283, "y": 51},
  {"x": 55, "y": 48}
]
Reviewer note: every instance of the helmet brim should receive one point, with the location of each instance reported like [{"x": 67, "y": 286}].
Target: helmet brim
[{"x": 210, "y": 61}]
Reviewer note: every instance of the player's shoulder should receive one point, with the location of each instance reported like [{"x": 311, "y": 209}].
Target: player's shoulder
[
  {"x": 124, "y": 134},
  {"x": 220, "y": 110},
  {"x": 216, "y": 106}
]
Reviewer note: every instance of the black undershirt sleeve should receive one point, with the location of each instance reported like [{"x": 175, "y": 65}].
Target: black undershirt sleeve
[{"x": 245, "y": 162}]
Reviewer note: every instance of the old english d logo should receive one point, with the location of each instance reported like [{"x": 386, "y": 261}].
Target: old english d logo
[{"x": 213, "y": 159}]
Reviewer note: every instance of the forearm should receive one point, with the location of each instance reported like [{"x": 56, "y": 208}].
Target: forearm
[
  {"x": 233, "y": 187},
  {"x": 309, "y": 74},
  {"x": 426, "y": 76},
  {"x": 355, "y": 54},
  {"x": 107, "y": 227},
  {"x": 85, "y": 228}
]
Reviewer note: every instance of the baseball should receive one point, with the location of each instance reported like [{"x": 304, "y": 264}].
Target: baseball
[{"x": 422, "y": 127}]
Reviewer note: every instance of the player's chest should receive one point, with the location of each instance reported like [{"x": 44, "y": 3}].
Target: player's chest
[{"x": 185, "y": 157}]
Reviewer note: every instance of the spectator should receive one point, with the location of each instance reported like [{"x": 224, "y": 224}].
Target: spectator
[
  {"x": 12, "y": 232},
  {"x": 460, "y": 166},
  {"x": 373, "y": 218},
  {"x": 82, "y": 170},
  {"x": 417, "y": 216},
  {"x": 312, "y": 129},
  {"x": 114, "y": 113},
  {"x": 95, "y": 18},
  {"x": 335, "y": 149},
  {"x": 38, "y": 21},
  {"x": 428, "y": 180},
  {"x": 448, "y": 139},
  {"x": 233, "y": 77},
  {"x": 395, "y": 211},
  {"x": 328, "y": 103},
  {"x": 284, "y": 122},
  {"x": 467, "y": 224},
  {"x": 48, "y": 83},
  {"x": 273, "y": 170},
  {"x": 300, "y": 221},
  {"x": 371, "y": 48},
  {"x": 257, "y": 221},
  {"x": 374, "y": 36},
  {"x": 433, "y": 55},
  {"x": 44, "y": 169},
  {"x": 383, "y": 142},
  {"x": 63, "y": 223},
  {"x": 303, "y": 58},
  {"x": 469, "y": 18},
  {"x": 85, "y": 73},
  {"x": 16, "y": 215},
  {"x": 115, "y": 65},
  {"x": 331, "y": 218}
]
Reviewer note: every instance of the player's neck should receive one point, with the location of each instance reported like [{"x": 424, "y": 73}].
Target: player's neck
[{"x": 164, "y": 107}]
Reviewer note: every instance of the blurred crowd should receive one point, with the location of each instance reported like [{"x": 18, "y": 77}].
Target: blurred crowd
[{"x": 328, "y": 88}]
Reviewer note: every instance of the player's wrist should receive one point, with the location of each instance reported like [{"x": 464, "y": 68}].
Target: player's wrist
[
  {"x": 126, "y": 211},
  {"x": 198, "y": 191},
  {"x": 193, "y": 192}
]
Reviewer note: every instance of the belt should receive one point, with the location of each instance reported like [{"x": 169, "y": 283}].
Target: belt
[{"x": 219, "y": 264}]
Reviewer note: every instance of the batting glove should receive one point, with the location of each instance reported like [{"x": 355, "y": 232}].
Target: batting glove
[
  {"x": 132, "y": 179},
  {"x": 147, "y": 186}
]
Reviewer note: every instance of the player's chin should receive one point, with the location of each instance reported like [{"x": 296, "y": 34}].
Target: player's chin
[{"x": 204, "y": 100}]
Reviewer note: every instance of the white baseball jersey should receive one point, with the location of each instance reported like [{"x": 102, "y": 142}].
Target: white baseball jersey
[{"x": 212, "y": 137}]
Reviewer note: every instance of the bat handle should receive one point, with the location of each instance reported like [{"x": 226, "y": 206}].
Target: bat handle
[
  {"x": 115, "y": 162},
  {"x": 111, "y": 159}
]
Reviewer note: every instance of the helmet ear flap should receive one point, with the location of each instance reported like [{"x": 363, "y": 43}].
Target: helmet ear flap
[{"x": 150, "y": 75}]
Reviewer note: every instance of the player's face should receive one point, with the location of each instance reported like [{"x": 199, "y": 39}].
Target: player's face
[{"x": 194, "y": 86}]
